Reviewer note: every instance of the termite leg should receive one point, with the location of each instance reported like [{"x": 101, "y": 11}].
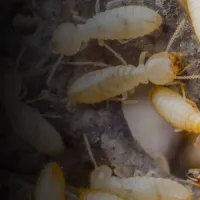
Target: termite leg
[
  {"x": 162, "y": 161},
  {"x": 124, "y": 41},
  {"x": 117, "y": 55},
  {"x": 152, "y": 173},
  {"x": 99, "y": 64},
  {"x": 130, "y": 101},
  {"x": 186, "y": 99},
  {"x": 89, "y": 150},
  {"x": 185, "y": 68},
  {"x": 83, "y": 46},
  {"x": 138, "y": 173},
  {"x": 118, "y": 172},
  {"x": 143, "y": 56},
  {"x": 53, "y": 69},
  {"x": 124, "y": 99},
  {"x": 78, "y": 18}
]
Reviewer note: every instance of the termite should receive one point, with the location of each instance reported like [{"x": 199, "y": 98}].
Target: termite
[
  {"x": 51, "y": 183},
  {"x": 108, "y": 83},
  {"x": 136, "y": 187},
  {"x": 193, "y": 7},
  {"x": 26, "y": 121},
  {"x": 181, "y": 114},
  {"x": 193, "y": 177},
  {"x": 123, "y": 23},
  {"x": 156, "y": 138}
]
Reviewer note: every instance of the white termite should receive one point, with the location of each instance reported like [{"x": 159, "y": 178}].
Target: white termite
[{"x": 160, "y": 69}]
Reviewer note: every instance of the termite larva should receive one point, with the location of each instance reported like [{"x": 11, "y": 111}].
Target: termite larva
[
  {"x": 193, "y": 177},
  {"x": 107, "y": 83},
  {"x": 127, "y": 22},
  {"x": 193, "y": 7},
  {"x": 180, "y": 113},
  {"x": 51, "y": 183}
]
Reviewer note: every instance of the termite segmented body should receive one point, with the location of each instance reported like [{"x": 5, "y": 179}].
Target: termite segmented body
[
  {"x": 51, "y": 183},
  {"x": 104, "y": 84},
  {"x": 193, "y": 177},
  {"x": 175, "y": 109},
  {"x": 193, "y": 7},
  {"x": 107, "y": 83},
  {"x": 127, "y": 22},
  {"x": 138, "y": 188}
]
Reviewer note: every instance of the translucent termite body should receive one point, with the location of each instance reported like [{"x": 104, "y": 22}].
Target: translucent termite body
[
  {"x": 137, "y": 187},
  {"x": 107, "y": 83},
  {"x": 127, "y": 22},
  {"x": 174, "y": 109},
  {"x": 177, "y": 111}
]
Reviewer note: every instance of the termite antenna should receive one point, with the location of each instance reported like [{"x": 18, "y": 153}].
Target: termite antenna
[
  {"x": 89, "y": 150},
  {"x": 53, "y": 69},
  {"x": 175, "y": 35},
  {"x": 188, "y": 77}
]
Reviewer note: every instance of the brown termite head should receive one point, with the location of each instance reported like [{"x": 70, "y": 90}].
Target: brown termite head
[
  {"x": 67, "y": 39},
  {"x": 162, "y": 68}
]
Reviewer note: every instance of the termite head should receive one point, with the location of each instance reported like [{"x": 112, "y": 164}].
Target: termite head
[
  {"x": 193, "y": 177},
  {"x": 162, "y": 68},
  {"x": 66, "y": 40}
]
